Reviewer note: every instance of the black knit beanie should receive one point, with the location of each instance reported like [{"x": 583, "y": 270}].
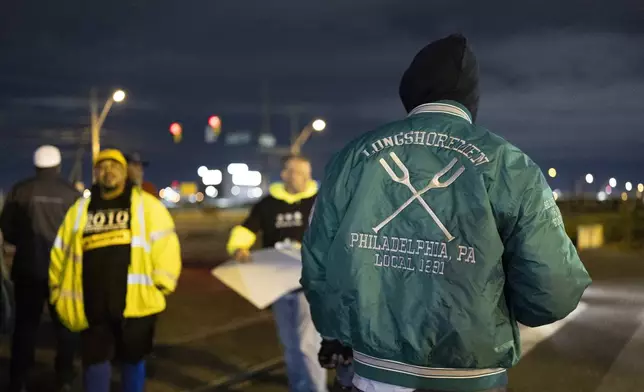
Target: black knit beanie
[{"x": 445, "y": 69}]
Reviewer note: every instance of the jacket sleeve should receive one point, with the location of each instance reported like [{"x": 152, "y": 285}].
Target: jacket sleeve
[
  {"x": 165, "y": 248},
  {"x": 61, "y": 251},
  {"x": 319, "y": 273},
  {"x": 244, "y": 236},
  {"x": 9, "y": 218},
  {"x": 545, "y": 277}
]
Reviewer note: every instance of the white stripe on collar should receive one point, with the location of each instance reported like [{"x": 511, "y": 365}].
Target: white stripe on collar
[{"x": 440, "y": 107}]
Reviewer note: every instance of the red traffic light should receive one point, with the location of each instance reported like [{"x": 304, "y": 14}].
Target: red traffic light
[
  {"x": 175, "y": 129},
  {"x": 214, "y": 121}
]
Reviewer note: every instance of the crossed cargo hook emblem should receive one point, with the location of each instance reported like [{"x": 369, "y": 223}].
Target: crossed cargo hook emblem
[{"x": 416, "y": 195}]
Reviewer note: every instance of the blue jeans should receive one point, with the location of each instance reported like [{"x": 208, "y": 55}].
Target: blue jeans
[{"x": 301, "y": 344}]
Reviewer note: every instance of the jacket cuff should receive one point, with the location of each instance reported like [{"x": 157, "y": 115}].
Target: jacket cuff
[
  {"x": 164, "y": 281},
  {"x": 240, "y": 238}
]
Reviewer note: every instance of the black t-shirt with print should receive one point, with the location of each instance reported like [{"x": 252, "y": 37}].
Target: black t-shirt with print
[
  {"x": 279, "y": 220},
  {"x": 107, "y": 238}
]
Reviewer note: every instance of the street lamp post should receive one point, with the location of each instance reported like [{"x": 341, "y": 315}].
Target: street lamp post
[
  {"x": 98, "y": 120},
  {"x": 317, "y": 125}
]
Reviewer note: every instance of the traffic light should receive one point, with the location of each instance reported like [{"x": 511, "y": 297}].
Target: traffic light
[
  {"x": 214, "y": 122},
  {"x": 213, "y": 129},
  {"x": 176, "y": 131}
]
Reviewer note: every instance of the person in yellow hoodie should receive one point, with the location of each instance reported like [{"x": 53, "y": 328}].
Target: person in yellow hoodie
[
  {"x": 280, "y": 216},
  {"x": 115, "y": 258}
]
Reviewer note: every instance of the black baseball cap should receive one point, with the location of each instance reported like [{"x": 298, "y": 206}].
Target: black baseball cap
[{"x": 135, "y": 157}]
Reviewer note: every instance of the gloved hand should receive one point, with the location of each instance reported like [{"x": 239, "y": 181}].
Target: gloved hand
[{"x": 333, "y": 353}]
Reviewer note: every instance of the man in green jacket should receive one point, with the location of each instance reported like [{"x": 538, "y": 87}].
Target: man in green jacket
[{"x": 432, "y": 237}]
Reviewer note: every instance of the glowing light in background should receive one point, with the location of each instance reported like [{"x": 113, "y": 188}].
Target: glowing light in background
[
  {"x": 248, "y": 178},
  {"x": 552, "y": 172},
  {"x": 211, "y": 191},
  {"x": 212, "y": 177},
  {"x": 118, "y": 96},
  {"x": 319, "y": 125},
  {"x": 170, "y": 195},
  {"x": 255, "y": 192},
  {"x": 237, "y": 168}
]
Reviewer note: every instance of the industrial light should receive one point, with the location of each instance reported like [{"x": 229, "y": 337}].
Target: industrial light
[
  {"x": 255, "y": 192},
  {"x": 211, "y": 191},
  {"x": 212, "y": 177},
  {"x": 118, "y": 96},
  {"x": 319, "y": 125},
  {"x": 237, "y": 168},
  {"x": 248, "y": 178}
]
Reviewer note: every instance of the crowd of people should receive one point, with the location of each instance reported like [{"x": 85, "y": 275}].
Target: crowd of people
[
  {"x": 428, "y": 240},
  {"x": 102, "y": 264}
]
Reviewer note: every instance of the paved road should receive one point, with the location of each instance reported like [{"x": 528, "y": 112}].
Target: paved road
[
  {"x": 601, "y": 349},
  {"x": 211, "y": 339}
]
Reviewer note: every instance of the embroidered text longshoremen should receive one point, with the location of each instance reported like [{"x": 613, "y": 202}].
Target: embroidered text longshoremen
[{"x": 430, "y": 139}]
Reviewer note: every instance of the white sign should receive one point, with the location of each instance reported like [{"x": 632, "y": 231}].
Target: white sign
[{"x": 268, "y": 276}]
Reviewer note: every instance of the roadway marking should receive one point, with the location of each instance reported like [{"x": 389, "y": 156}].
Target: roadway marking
[
  {"x": 222, "y": 329},
  {"x": 226, "y": 381},
  {"x": 629, "y": 362},
  {"x": 531, "y": 337}
]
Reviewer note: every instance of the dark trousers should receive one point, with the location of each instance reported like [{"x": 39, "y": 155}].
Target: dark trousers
[
  {"x": 30, "y": 296},
  {"x": 126, "y": 340}
]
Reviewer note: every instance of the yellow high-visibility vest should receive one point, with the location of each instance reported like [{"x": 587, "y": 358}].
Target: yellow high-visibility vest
[{"x": 154, "y": 267}]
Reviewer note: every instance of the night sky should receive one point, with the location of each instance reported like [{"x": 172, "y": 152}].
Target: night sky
[{"x": 562, "y": 80}]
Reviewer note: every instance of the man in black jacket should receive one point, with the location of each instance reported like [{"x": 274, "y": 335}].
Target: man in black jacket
[
  {"x": 282, "y": 216},
  {"x": 33, "y": 211}
]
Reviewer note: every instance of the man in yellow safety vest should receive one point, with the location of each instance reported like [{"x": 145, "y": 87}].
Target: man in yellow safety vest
[{"x": 114, "y": 260}]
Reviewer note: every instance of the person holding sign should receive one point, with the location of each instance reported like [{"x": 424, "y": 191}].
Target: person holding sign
[{"x": 282, "y": 217}]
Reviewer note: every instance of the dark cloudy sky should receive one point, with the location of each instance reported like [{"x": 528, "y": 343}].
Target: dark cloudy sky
[{"x": 563, "y": 80}]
